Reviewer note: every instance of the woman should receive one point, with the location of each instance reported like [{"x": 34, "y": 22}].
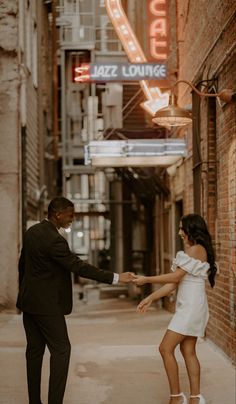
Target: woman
[{"x": 190, "y": 268}]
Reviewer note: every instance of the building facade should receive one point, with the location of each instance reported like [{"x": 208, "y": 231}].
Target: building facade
[{"x": 27, "y": 172}]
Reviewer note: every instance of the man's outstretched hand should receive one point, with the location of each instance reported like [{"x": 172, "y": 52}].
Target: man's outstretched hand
[{"x": 126, "y": 277}]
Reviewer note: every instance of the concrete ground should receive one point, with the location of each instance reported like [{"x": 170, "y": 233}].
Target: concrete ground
[{"x": 114, "y": 357}]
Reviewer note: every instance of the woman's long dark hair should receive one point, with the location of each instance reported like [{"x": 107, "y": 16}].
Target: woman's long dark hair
[{"x": 196, "y": 229}]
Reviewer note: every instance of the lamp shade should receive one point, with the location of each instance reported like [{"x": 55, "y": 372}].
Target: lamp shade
[{"x": 172, "y": 116}]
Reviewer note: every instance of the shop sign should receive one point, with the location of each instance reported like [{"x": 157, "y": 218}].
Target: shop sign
[
  {"x": 103, "y": 72},
  {"x": 158, "y": 31}
]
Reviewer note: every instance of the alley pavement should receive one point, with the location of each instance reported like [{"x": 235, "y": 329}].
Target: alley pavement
[{"x": 115, "y": 359}]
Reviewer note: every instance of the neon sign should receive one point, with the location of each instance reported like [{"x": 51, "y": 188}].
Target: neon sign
[
  {"x": 158, "y": 38},
  {"x": 100, "y": 72},
  {"x": 155, "y": 98},
  {"x": 83, "y": 73}
]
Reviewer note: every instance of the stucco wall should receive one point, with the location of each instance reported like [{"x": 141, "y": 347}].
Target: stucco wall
[{"x": 9, "y": 154}]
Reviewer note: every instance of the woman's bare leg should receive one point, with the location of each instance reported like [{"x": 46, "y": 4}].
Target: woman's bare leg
[
  {"x": 188, "y": 350},
  {"x": 167, "y": 348}
]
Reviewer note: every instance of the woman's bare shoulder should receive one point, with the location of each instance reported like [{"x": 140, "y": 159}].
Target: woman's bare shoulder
[{"x": 198, "y": 252}]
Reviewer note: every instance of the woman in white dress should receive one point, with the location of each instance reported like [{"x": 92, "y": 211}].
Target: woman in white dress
[{"x": 190, "y": 269}]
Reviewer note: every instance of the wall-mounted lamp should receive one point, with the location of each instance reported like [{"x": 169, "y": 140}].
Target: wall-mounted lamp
[{"x": 176, "y": 116}]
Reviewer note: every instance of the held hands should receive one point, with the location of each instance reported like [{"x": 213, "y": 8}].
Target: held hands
[
  {"x": 139, "y": 280},
  {"x": 126, "y": 277}
]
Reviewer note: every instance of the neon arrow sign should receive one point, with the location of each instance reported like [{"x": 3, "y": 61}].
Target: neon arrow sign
[{"x": 155, "y": 98}]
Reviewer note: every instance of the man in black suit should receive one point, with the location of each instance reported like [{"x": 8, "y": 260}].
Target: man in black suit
[{"x": 45, "y": 297}]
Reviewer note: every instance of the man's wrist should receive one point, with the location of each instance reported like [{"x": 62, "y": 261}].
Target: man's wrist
[{"x": 116, "y": 278}]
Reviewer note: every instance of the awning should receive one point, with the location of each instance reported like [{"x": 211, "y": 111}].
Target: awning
[{"x": 135, "y": 153}]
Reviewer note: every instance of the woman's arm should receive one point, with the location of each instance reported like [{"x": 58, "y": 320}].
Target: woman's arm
[
  {"x": 158, "y": 294},
  {"x": 173, "y": 277}
]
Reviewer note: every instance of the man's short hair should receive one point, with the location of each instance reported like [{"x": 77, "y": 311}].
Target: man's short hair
[{"x": 59, "y": 204}]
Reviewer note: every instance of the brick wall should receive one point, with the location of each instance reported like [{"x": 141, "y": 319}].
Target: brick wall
[{"x": 207, "y": 53}]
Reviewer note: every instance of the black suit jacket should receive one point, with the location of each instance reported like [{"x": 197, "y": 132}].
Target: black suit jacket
[{"x": 45, "y": 267}]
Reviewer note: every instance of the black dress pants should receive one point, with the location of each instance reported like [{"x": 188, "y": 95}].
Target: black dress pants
[{"x": 50, "y": 331}]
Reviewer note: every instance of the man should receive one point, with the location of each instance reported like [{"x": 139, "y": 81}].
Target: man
[{"x": 45, "y": 297}]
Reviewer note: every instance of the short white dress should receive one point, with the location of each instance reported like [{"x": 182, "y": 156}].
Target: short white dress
[{"x": 191, "y": 311}]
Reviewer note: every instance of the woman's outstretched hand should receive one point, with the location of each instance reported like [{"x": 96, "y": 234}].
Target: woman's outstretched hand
[
  {"x": 144, "y": 305},
  {"x": 140, "y": 280}
]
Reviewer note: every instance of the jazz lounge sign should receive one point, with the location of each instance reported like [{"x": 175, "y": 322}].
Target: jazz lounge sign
[{"x": 103, "y": 72}]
